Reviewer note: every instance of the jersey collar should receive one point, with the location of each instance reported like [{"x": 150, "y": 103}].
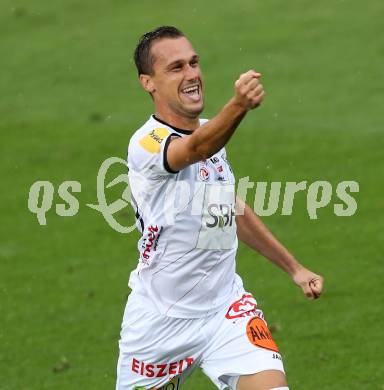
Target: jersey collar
[{"x": 182, "y": 131}]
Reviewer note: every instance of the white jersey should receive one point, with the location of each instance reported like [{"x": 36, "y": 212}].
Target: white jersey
[{"x": 188, "y": 246}]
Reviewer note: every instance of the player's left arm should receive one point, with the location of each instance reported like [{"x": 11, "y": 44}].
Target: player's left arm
[{"x": 252, "y": 231}]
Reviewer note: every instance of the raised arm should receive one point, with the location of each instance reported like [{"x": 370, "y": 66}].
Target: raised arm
[
  {"x": 213, "y": 135},
  {"x": 252, "y": 231}
]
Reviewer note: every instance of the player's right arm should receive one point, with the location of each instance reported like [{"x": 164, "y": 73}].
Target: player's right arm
[{"x": 213, "y": 135}]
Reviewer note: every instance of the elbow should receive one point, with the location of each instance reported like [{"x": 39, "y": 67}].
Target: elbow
[
  {"x": 204, "y": 154},
  {"x": 199, "y": 152}
]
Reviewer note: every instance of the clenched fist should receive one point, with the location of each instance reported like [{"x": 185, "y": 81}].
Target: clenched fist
[
  {"x": 249, "y": 92},
  {"x": 311, "y": 283}
]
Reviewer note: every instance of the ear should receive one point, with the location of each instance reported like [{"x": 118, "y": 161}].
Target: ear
[{"x": 147, "y": 83}]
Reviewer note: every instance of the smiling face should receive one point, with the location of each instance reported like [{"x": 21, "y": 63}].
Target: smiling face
[{"x": 176, "y": 81}]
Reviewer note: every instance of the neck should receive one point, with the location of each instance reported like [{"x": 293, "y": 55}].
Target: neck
[{"x": 178, "y": 121}]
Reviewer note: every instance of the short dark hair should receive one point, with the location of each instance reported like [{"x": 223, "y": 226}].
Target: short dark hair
[{"x": 143, "y": 59}]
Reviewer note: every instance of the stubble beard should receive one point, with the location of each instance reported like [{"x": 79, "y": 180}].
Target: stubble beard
[{"x": 185, "y": 112}]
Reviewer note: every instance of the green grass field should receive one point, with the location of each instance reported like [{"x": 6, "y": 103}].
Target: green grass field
[{"x": 70, "y": 99}]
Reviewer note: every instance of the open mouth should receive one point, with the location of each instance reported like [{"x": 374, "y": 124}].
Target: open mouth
[{"x": 192, "y": 93}]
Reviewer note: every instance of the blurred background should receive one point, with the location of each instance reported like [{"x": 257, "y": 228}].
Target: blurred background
[{"x": 70, "y": 99}]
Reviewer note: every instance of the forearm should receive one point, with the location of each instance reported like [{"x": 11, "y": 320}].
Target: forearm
[
  {"x": 212, "y": 136},
  {"x": 252, "y": 231}
]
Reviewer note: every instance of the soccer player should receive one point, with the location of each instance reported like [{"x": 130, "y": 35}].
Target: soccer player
[{"x": 188, "y": 307}]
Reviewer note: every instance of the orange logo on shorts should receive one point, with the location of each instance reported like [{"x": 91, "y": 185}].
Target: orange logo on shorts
[{"x": 259, "y": 334}]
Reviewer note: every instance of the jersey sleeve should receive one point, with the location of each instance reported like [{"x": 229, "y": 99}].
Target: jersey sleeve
[{"x": 147, "y": 152}]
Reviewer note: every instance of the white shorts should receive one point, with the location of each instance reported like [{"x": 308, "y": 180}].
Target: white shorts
[{"x": 158, "y": 351}]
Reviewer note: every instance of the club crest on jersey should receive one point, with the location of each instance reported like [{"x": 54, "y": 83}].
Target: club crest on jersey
[
  {"x": 203, "y": 173},
  {"x": 243, "y": 307},
  {"x": 152, "y": 141}
]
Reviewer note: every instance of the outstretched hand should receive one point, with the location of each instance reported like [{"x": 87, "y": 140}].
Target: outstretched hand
[{"x": 311, "y": 283}]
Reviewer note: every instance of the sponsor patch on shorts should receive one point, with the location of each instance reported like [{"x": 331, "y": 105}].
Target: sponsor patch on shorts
[
  {"x": 259, "y": 334},
  {"x": 174, "y": 384}
]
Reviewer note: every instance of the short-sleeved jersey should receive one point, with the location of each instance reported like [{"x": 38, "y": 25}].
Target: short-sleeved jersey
[{"x": 187, "y": 219}]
